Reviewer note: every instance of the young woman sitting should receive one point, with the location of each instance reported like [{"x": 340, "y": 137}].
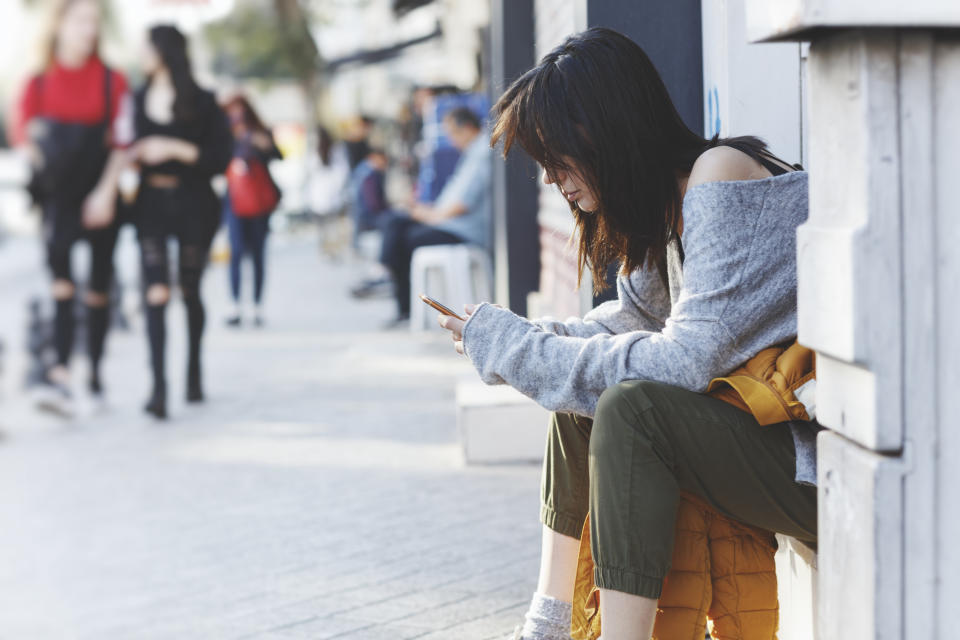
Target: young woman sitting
[{"x": 704, "y": 233}]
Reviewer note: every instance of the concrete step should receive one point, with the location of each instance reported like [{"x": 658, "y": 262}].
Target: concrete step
[
  {"x": 797, "y": 589},
  {"x": 499, "y": 425}
]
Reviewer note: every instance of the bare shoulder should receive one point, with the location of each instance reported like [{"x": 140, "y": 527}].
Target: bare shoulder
[{"x": 722, "y": 164}]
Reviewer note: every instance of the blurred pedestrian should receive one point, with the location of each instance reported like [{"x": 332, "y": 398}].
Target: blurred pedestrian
[
  {"x": 368, "y": 193},
  {"x": 69, "y": 121},
  {"x": 461, "y": 213},
  {"x": 357, "y": 140},
  {"x": 182, "y": 140},
  {"x": 252, "y": 195},
  {"x": 329, "y": 173}
]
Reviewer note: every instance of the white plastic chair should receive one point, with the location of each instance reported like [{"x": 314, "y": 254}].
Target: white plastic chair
[{"x": 452, "y": 274}]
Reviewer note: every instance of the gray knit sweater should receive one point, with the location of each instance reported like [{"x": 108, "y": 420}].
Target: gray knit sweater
[{"x": 734, "y": 295}]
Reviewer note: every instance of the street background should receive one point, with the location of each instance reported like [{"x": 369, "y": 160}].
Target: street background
[{"x": 319, "y": 492}]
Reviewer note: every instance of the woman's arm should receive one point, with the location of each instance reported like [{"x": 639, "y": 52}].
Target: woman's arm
[
  {"x": 643, "y": 302},
  {"x": 216, "y": 147},
  {"x": 100, "y": 206},
  {"x": 264, "y": 143},
  {"x": 569, "y": 373},
  {"x": 738, "y": 296}
]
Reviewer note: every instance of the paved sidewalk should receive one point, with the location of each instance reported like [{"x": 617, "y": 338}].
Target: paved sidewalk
[{"x": 319, "y": 493}]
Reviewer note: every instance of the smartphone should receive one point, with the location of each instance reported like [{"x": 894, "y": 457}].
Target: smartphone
[{"x": 439, "y": 307}]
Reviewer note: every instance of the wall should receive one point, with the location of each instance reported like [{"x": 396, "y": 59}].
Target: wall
[
  {"x": 516, "y": 250},
  {"x": 878, "y": 265},
  {"x": 757, "y": 89},
  {"x": 554, "y": 20},
  {"x": 670, "y": 35},
  {"x": 750, "y": 89}
]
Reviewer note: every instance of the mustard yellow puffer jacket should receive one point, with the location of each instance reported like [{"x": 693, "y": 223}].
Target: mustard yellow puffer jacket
[{"x": 721, "y": 568}]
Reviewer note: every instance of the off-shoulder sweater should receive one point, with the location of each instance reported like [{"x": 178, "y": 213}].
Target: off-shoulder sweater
[{"x": 734, "y": 294}]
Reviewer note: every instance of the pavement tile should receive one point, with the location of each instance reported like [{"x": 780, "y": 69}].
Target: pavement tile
[{"x": 319, "y": 493}]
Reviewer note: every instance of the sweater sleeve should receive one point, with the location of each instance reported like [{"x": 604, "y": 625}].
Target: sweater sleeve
[
  {"x": 27, "y": 108},
  {"x": 643, "y": 302},
  {"x": 569, "y": 373}
]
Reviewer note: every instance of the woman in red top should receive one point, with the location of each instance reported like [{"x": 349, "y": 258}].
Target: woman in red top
[{"x": 69, "y": 121}]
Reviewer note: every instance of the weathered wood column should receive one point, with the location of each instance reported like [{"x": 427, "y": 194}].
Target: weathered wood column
[{"x": 879, "y": 298}]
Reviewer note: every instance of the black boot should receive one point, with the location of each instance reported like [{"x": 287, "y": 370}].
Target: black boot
[
  {"x": 157, "y": 404},
  {"x": 157, "y": 334},
  {"x": 196, "y": 318},
  {"x": 98, "y": 322},
  {"x": 194, "y": 385}
]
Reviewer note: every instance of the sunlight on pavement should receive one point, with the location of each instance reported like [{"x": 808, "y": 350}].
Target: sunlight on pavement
[{"x": 335, "y": 453}]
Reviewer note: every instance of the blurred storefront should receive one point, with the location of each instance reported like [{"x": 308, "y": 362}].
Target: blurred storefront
[{"x": 376, "y": 52}]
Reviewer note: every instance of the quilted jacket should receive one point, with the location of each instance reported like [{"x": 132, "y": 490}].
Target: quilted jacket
[{"x": 721, "y": 568}]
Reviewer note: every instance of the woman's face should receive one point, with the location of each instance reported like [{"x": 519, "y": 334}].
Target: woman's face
[
  {"x": 150, "y": 61},
  {"x": 235, "y": 114},
  {"x": 79, "y": 29},
  {"x": 573, "y": 187}
]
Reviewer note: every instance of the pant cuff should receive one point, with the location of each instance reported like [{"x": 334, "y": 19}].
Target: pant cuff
[
  {"x": 562, "y": 523},
  {"x": 628, "y": 582}
]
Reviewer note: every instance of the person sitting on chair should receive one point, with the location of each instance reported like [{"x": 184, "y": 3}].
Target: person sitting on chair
[{"x": 461, "y": 213}]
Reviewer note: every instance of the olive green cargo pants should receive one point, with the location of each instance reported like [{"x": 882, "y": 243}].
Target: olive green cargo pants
[{"x": 646, "y": 443}]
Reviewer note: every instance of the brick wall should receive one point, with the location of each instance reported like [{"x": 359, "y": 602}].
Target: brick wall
[{"x": 558, "y": 295}]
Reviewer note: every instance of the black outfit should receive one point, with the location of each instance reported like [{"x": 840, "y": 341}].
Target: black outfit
[
  {"x": 189, "y": 212},
  {"x": 357, "y": 150},
  {"x": 402, "y": 236},
  {"x": 76, "y": 155},
  {"x": 62, "y": 230}
]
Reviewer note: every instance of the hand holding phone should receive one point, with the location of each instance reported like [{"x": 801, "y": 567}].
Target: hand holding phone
[{"x": 441, "y": 308}]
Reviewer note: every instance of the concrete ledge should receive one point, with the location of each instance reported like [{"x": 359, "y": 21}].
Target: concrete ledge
[
  {"x": 799, "y": 19},
  {"x": 499, "y": 424},
  {"x": 796, "y": 589}
]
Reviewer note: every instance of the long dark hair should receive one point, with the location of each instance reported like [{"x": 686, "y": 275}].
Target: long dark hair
[
  {"x": 596, "y": 105},
  {"x": 57, "y": 11},
  {"x": 251, "y": 120},
  {"x": 171, "y": 46}
]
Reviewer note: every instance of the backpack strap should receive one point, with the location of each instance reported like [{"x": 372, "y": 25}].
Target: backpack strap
[{"x": 107, "y": 102}]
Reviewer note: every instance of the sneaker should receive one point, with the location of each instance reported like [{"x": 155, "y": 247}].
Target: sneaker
[
  {"x": 54, "y": 397},
  {"x": 379, "y": 288},
  {"x": 233, "y": 318},
  {"x": 516, "y": 634}
]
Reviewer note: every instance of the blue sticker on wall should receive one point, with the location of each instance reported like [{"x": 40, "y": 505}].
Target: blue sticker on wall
[{"x": 713, "y": 112}]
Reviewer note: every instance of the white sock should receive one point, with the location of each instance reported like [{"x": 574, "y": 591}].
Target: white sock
[
  {"x": 234, "y": 310},
  {"x": 547, "y": 619}
]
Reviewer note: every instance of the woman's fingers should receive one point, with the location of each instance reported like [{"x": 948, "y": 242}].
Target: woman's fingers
[
  {"x": 450, "y": 323},
  {"x": 455, "y": 327}
]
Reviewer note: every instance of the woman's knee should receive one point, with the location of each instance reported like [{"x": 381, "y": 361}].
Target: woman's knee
[
  {"x": 622, "y": 413},
  {"x": 158, "y": 294},
  {"x": 63, "y": 289},
  {"x": 97, "y": 299}
]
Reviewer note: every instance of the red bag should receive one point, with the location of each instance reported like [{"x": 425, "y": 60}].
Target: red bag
[{"x": 252, "y": 192}]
